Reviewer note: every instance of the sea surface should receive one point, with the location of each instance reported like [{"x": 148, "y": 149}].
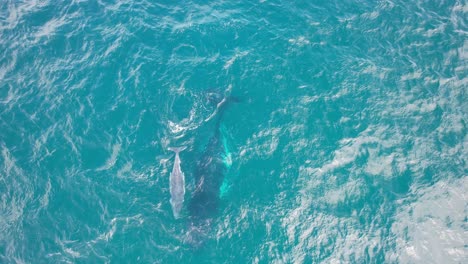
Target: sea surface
[{"x": 347, "y": 141}]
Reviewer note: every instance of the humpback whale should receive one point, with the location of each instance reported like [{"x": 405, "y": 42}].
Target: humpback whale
[
  {"x": 177, "y": 184},
  {"x": 209, "y": 174}
]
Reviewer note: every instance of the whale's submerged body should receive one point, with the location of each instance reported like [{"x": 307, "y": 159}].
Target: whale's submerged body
[{"x": 209, "y": 175}]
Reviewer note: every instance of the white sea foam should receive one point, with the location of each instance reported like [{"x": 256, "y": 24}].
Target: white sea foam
[
  {"x": 238, "y": 54},
  {"x": 50, "y": 27},
  {"x": 431, "y": 229},
  {"x": 44, "y": 200},
  {"x": 299, "y": 41},
  {"x": 110, "y": 162}
]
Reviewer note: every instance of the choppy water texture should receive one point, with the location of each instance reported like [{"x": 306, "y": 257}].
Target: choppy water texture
[{"x": 349, "y": 143}]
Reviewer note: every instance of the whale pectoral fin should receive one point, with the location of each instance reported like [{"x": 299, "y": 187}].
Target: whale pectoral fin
[
  {"x": 227, "y": 160},
  {"x": 224, "y": 189},
  {"x": 227, "y": 157}
]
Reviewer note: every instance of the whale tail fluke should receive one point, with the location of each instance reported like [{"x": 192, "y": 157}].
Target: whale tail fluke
[{"x": 177, "y": 149}]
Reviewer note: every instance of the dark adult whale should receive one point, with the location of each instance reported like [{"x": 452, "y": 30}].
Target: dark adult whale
[{"x": 209, "y": 176}]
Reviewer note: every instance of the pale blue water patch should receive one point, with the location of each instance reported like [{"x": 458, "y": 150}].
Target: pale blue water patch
[{"x": 348, "y": 144}]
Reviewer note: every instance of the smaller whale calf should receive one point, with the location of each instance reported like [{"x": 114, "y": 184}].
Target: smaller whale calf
[{"x": 177, "y": 184}]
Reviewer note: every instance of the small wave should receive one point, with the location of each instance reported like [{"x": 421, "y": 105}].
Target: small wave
[{"x": 110, "y": 162}]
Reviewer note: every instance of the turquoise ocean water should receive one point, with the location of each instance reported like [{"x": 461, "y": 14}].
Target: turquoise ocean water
[{"x": 347, "y": 141}]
